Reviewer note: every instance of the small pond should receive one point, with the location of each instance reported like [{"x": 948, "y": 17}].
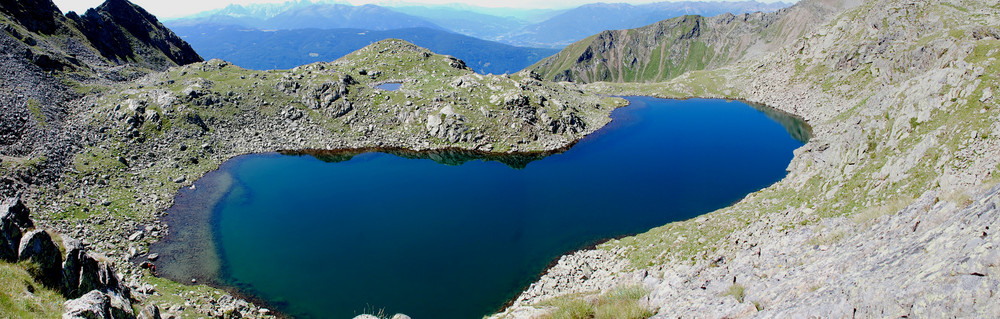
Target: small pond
[
  {"x": 457, "y": 234},
  {"x": 389, "y": 86}
]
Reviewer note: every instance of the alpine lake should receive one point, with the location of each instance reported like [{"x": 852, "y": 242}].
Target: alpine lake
[{"x": 457, "y": 234}]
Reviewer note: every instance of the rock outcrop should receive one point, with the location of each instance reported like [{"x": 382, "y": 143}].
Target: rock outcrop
[{"x": 77, "y": 274}]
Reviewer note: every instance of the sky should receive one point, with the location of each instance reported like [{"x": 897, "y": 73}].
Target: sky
[{"x": 179, "y": 8}]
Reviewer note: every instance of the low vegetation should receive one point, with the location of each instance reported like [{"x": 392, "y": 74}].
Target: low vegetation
[{"x": 620, "y": 303}]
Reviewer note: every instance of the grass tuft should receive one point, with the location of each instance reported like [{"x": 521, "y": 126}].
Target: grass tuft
[{"x": 620, "y": 303}]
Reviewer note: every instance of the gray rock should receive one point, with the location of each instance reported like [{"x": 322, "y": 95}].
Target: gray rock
[
  {"x": 10, "y": 239},
  {"x": 72, "y": 264},
  {"x": 99, "y": 305},
  {"x": 14, "y": 209},
  {"x": 120, "y": 305},
  {"x": 93, "y": 305},
  {"x": 365, "y": 316},
  {"x": 37, "y": 247},
  {"x": 400, "y": 316}
]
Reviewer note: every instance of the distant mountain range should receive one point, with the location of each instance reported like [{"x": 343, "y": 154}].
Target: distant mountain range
[
  {"x": 304, "y": 15},
  {"x": 533, "y": 28},
  {"x": 285, "y": 49}
]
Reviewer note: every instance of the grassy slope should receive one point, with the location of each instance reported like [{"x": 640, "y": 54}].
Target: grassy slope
[{"x": 22, "y": 297}]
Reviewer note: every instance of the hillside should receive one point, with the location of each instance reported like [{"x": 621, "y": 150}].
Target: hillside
[
  {"x": 666, "y": 49},
  {"x": 889, "y": 210},
  {"x": 586, "y": 20},
  {"x": 285, "y": 49}
]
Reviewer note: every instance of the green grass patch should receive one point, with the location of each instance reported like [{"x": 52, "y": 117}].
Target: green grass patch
[
  {"x": 736, "y": 291},
  {"x": 22, "y": 297},
  {"x": 620, "y": 303}
]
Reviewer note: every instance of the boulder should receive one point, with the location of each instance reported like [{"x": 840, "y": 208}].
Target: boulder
[
  {"x": 10, "y": 238},
  {"x": 72, "y": 264},
  {"x": 120, "y": 305},
  {"x": 37, "y": 247},
  {"x": 97, "y": 275},
  {"x": 93, "y": 305},
  {"x": 99, "y": 305},
  {"x": 14, "y": 209}
]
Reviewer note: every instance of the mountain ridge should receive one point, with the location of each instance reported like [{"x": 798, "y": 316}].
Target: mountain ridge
[{"x": 669, "y": 48}]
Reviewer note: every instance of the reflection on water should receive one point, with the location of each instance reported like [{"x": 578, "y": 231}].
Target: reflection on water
[
  {"x": 796, "y": 126},
  {"x": 451, "y": 157}
]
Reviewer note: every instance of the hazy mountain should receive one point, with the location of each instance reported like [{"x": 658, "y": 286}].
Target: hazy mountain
[
  {"x": 586, "y": 20},
  {"x": 530, "y": 16},
  {"x": 303, "y": 14},
  {"x": 475, "y": 24},
  {"x": 284, "y": 49}
]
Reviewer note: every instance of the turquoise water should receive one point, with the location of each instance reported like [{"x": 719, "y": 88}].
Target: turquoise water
[{"x": 457, "y": 234}]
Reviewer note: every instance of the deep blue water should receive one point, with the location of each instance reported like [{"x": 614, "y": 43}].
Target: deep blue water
[{"x": 404, "y": 233}]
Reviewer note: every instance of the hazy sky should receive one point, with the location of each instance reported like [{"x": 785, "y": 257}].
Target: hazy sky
[{"x": 177, "y": 8}]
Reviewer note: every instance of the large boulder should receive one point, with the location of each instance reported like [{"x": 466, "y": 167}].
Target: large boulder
[
  {"x": 93, "y": 305},
  {"x": 72, "y": 264},
  {"x": 10, "y": 238},
  {"x": 96, "y": 274},
  {"x": 98, "y": 305},
  {"x": 14, "y": 209},
  {"x": 37, "y": 247}
]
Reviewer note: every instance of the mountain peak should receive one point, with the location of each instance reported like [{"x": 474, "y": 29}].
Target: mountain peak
[{"x": 158, "y": 47}]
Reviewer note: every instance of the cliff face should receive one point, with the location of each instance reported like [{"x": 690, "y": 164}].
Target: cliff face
[{"x": 666, "y": 49}]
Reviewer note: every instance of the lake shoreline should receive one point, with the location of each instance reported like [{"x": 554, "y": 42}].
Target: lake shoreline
[{"x": 347, "y": 154}]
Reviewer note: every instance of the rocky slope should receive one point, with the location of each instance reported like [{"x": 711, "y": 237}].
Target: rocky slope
[
  {"x": 49, "y": 60},
  {"x": 666, "y": 49},
  {"x": 890, "y": 210}
]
